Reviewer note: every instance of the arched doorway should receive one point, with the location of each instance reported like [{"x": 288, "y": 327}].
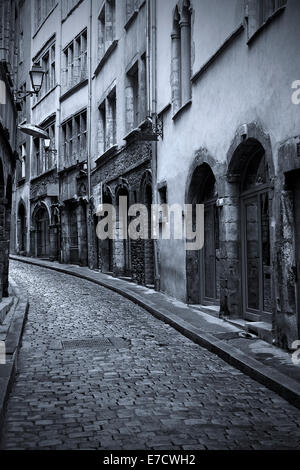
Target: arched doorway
[
  {"x": 122, "y": 263},
  {"x": 203, "y": 266},
  {"x": 42, "y": 233},
  {"x": 148, "y": 243},
  {"x": 73, "y": 235},
  {"x": 21, "y": 229},
  {"x": 105, "y": 247},
  {"x": 255, "y": 236}
]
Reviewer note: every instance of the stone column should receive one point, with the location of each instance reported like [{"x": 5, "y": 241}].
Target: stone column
[
  {"x": 176, "y": 72},
  {"x": 185, "y": 36},
  {"x": 230, "y": 267}
]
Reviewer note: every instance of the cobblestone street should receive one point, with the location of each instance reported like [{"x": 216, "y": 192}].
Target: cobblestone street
[{"x": 148, "y": 388}]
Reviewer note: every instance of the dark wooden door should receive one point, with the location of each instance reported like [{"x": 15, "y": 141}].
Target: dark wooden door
[
  {"x": 209, "y": 271},
  {"x": 256, "y": 269},
  {"x": 43, "y": 235}
]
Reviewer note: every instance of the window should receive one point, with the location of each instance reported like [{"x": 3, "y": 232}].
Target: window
[
  {"x": 74, "y": 139},
  {"x": 259, "y": 11},
  {"x": 22, "y": 113},
  {"x": 75, "y": 61},
  {"x": 106, "y": 27},
  {"x": 108, "y": 131},
  {"x": 136, "y": 94},
  {"x": 23, "y": 160},
  {"x": 181, "y": 57},
  {"x": 47, "y": 62},
  {"x": 44, "y": 160},
  {"x": 21, "y": 47},
  {"x": 42, "y": 9},
  {"x": 21, "y": 166}
]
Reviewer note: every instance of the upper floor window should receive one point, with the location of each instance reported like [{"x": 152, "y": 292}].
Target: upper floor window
[
  {"x": 107, "y": 130},
  {"x": 106, "y": 27},
  {"x": 42, "y": 9},
  {"x": 181, "y": 56},
  {"x": 47, "y": 62},
  {"x": 22, "y": 113},
  {"x": 136, "y": 94},
  {"x": 21, "y": 167},
  {"x": 75, "y": 61},
  {"x": 74, "y": 139},
  {"x": 259, "y": 11},
  {"x": 43, "y": 159}
]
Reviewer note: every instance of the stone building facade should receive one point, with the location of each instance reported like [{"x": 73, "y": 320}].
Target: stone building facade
[
  {"x": 230, "y": 142},
  {"x": 8, "y": 114},
  {"x": 178, "y": 102},
  {"x": 121, "y": 153}
]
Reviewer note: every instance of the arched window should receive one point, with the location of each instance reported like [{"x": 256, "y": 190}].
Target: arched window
[{"x": 181, "y": 57}]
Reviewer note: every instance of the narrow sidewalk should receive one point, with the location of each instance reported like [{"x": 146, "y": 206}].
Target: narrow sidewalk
[{"x": 263, "y": 362}]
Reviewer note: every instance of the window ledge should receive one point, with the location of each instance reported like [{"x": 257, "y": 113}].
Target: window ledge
[
  {"x": 21, "y": 181},
  {"x": 44, "y": 97},
  {"x": 219, "y": 51},
  {"x": 106, "y": 154},
  {"x": 41, "y": 175},
  {"x": 106, "y": 55},
  {"x": 44, "y": 21},
  {"x": 262, "y": 27},
  {"x": 182, "y": 109},
  {"x": 73, "y": 89},
  {"x": 131, "y": 18},
  {"x": 71, "y": 11}
]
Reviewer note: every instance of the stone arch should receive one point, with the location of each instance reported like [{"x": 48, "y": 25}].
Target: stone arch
[
  {"x": 40, "y": 234},
  {"x": 202, "y": 266},
  {"x": 147, "y": 246},
  {"x": 122, "y": 248},
  {"x": 104, "y": 248}
]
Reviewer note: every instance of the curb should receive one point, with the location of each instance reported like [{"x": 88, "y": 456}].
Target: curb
[
  {"x": 12, "y": 346},
  {"x": 281, "y": 384}
]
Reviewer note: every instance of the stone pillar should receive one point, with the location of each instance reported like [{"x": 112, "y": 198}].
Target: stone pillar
[
  {"x": 185, "y": 36},
  {"x": 230, "y": 266},
  {"x": 175, "y": 79}
]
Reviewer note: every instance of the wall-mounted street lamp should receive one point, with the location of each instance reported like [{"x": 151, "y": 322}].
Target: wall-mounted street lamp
[
  {"x": 47, "y": 143},
  {"x": 36, "y": 77}
]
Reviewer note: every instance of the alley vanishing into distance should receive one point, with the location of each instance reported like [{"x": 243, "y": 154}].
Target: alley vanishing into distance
[{"x": 96, "y": 371}]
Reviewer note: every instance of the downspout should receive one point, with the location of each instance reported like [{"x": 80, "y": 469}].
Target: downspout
[
  {"x": 89, "y": 220},
  {"x": 89, "y": 104},
  {"x": 59, "y": 140},
  {"x": 153, "y": 88}
]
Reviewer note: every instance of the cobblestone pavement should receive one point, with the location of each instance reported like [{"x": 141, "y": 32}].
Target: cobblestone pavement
[{"x": 159, "y": 390}]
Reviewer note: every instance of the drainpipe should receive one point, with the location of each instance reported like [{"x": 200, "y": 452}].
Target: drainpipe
[
  {"x": 89, "y": 118},
  {"x": 153, "y": 91},
  {"x": 58, "y": 140}
]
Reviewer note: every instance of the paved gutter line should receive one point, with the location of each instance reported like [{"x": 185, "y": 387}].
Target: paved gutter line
[
  {"x": 12, "y": 346},
  {"x": 283, "y": 385}
]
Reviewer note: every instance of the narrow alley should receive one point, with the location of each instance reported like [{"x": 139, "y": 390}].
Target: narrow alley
[{"x": 96, "y": 371}]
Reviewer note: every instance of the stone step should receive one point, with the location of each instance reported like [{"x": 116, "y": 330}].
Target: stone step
[
  {"x": 210, "y": 309},
  {"x": 262, "y": 329}
]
